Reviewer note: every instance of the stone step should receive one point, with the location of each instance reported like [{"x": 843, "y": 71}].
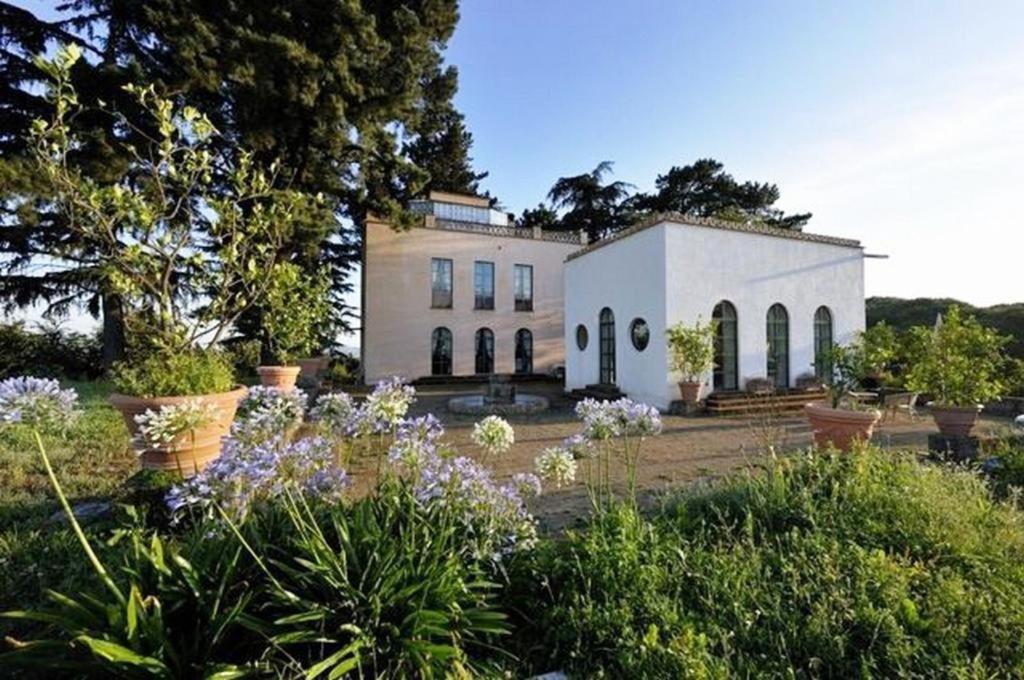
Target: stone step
[{"x": 599, "y": 392}]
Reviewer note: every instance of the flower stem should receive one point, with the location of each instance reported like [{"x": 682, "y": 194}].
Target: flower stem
[{"x": 97, "y": 565}]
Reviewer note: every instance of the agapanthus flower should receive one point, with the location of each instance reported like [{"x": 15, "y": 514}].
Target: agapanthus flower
[
  {"x": 636, "y": 419},
  {"x": 579, "y": 446},
  {"x": 333, "y": 411},
  {"x": 38, "y": 402},
  {"x": 266, "y": 412},
  {"x": 556, "y": 465},
  {"x": 526, "y": 484},
  {"x": 160, "y": 427},
  {"x": 495, "y": 515},
  {"x": 600, "y": 422},
  {"x": 384, "y": 408},
  {"x": 415, "y": 440},
  {"x": 247, "y": 473},
  {"x": 494, "y": 435}
]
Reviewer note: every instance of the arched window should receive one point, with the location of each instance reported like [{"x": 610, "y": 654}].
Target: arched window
[
  {"x": 524, "y": 351},
  {"x": 441, "y": 351},
  {"x": 778, "y": 346},
  {"x": 606, "y": 347},
  {"x": 726, "y": 371},
  {"x": 823, "y": 344},
  {"x": 484, "y": 351}
]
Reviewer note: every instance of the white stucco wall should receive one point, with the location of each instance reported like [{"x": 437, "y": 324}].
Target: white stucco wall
[
  {"x": 628, "y": 276},
  {"x": 678, "y": 272}
]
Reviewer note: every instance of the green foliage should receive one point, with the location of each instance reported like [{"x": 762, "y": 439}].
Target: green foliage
[
  {"x": 868, "y": 564},
  {"x": 174, "y": 375},
  {"x": 294, "y": 313},
  {"x": 383, "y": 588},
  {"x": 177, "y": 612},
  {"x": 960, "y": 363},
  {"x": 48, "y": 352},
  {"x": 704, "y": 189},
  {"x": 904, "y": 314},
  {"x": 691, "y": 349},
  {"x": 879, "y": 349},
  {"x": 186, "y": 256},
  {"x": 590, "y": 204}
]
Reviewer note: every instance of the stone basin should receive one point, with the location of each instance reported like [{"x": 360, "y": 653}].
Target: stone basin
[{"x": 478, "y": 404}]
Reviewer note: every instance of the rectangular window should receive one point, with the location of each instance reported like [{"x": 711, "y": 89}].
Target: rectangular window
[
  {"x": 522, "y": 284},
  {"x": 483, "y": 285},
  {"x": 441, "y": 283}
]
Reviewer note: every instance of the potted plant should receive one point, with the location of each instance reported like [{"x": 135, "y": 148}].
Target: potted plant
[
  {"x": 961, "y": 365},
  {"x": 692, "y": 355},
  {"x": 293, "y": 315},
  {"x": 182, "y": 236},
  {"x": 843, "y": 420}
]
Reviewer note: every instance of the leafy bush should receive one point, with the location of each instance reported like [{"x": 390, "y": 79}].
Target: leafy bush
[
  {"x": 870, "y": 564},
  {"x": 295, "y": 312},
  {"x": 691, "y": 349},
  {"x": 383, "y": 588},
  {"x": 959, "y": 363},
  {"x": 174, "y": 375},
  {"x": 48, "y": 353}
]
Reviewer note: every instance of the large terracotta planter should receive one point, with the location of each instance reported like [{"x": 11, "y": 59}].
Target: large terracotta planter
[
  {"x": 192, "y": 451},
  {"x": 281, "y": 377},
  {"x": 689, "y": 391},
  {"x": 840, "y": 427},
  {"x": 955, "y": 421}
]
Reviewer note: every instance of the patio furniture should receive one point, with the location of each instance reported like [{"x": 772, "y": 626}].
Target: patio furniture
[{"x": 905, "y": 402}]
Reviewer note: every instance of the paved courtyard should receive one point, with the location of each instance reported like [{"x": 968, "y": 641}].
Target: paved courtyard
[{"x": 688, "y": 449}]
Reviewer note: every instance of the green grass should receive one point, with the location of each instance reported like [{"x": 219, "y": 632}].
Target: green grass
[
  {"x": 873, "y": 565},
  {"x": 92, "y": 461}
]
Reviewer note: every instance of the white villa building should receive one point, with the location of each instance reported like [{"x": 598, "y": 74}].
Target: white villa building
[{"x": 467, "y": 294}]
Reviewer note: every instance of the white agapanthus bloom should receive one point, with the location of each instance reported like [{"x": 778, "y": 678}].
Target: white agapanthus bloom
[
  {"x": 494, "y": 435},
  {"x": 162, "y": 426},
  {"x": 556, "y": 465}
]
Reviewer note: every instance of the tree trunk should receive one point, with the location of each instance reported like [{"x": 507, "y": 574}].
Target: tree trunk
[{"x": 112, "y": 335}]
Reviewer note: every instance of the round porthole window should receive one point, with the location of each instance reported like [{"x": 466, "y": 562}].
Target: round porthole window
[
  {"x": 581, "y": 337},
  {"x": 640, "y": 334}
]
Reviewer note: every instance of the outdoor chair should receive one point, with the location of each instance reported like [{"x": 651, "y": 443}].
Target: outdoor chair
[{"x": 902, "y": 401}]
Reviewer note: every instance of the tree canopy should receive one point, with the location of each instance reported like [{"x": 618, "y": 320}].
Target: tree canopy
[{"x": 351, "y": 99}]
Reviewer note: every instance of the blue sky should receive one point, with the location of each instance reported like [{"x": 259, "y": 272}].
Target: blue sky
[{"x": 901, "y": 124}]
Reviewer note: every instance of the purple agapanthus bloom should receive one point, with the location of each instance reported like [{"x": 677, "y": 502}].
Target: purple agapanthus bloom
[
  {"x": 36, "y": 402},
  {"x": 246, "y": 473}
]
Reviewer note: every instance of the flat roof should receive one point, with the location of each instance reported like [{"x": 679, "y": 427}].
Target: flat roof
[{"x": 711, "y": 223}]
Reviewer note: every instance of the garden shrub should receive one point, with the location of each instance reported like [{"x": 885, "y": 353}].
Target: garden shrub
[
  {"x": 172, "y": 375},
  {"x": 867, "y": 565},
  {"x": 49, "y": 352}
]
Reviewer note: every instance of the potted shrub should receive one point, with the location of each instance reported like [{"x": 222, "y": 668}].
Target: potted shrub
[
  {"x": 692, "y": 355},
  {"x": 961, "y": 365},
  {"x": 182, "y": 235},
  {"x": 843, "y": 420},
  {"x": 293, "y": 316}
]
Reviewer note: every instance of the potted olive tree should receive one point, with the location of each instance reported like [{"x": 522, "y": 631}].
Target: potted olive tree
[
  {"x": 692, "y": 355},
  {"x": 960, "y": 364},
  {"x": 184, "y": 235},
  {"x": 842, "y": 420},
  {"x": 293, "y": 315}
]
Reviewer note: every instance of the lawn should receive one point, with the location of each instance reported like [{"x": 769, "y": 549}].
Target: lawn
[{"x": 93, "y": 459}]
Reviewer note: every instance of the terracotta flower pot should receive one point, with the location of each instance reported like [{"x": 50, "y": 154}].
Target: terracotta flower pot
[
  {"x": 689, "y": 391},
  {"x": 191, "y": 451},
  {"x": 840, "y": 427},
  {"x": 281, "y": 377},
  {"x": 311, "y": 367},
  {"x": 955, "y": 421}
]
